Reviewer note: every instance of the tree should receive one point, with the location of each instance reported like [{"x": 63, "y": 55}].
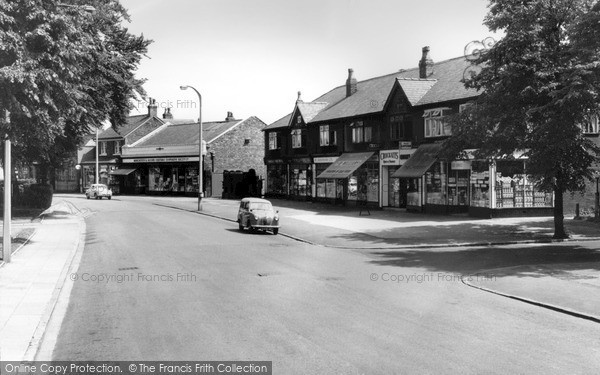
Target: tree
[
  {"x": 64, "y": 71},
  {"x": 538, "y": 85}
]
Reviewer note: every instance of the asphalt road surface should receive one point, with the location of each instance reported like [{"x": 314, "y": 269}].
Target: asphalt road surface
[{"x": 161, "y": 284}]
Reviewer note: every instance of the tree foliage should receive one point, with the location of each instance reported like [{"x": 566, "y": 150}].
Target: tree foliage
[
  {"x": 538, "y": 85},
  {"x": 64, "y": 70}
]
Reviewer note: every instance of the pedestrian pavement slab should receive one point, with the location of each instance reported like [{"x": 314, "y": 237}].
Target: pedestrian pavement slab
[
  {"x": 569, "y": 287},
  {"x": 30, "y": 282}
]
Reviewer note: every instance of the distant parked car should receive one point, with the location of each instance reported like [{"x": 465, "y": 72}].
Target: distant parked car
[
  {"x": 258, "y": 214},
  {"x": 98, "y": 191}
]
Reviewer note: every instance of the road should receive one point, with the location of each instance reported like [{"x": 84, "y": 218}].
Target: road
[{"x": 161, "y": 284}]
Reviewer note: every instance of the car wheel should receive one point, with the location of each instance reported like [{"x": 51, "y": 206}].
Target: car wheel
[
  {"x": 275, "y": 231},
  {"x": 240, "y": 226},
  {"x": 87, "y": 196},
  {"x": 109, "y": 198}
]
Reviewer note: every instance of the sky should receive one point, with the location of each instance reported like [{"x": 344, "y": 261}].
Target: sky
[{"x": 251, "y": 57}]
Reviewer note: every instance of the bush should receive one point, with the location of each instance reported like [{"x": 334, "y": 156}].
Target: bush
[{"x": 33, "y": 196}]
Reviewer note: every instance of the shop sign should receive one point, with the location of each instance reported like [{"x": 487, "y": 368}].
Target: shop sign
[
  {"x": 274, "y": 161},
  {"x": 405, "y": 144},
  {"x": 325, "y": 159},
  {"x": 374, "y": 145},
  {"x": 460, "y": 165},
  {"x": 161, "y": 160},
  {"x": 300, "y": 161},
  {"x": 390, "y": 157}
]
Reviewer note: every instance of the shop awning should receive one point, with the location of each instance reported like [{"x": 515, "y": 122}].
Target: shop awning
[
  {"x": 122, "y": 171},
  {"x": 420, "y": 161},
  {"x": 345, "y": 165}
]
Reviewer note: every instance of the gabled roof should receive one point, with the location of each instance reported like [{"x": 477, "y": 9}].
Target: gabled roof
[
  {"x": 132, "y": 123},
  {"x": 187, "y": 134},
  {"x": 442, "y": 86},
  {"x": 310, "y": 110},
  {"x": 415, "y": 89}
]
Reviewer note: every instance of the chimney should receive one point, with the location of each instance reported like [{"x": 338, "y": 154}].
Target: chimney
[
  {"x": 229, "y": 117},
  {"x": 351, "y": 85},
  {"x": 152, "y": 108},
  {"x": 426, "y": 64},
  {"x": 167, "y": 115}
]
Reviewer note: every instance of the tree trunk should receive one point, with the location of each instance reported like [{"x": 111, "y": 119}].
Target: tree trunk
[{"x": 559, "y": 225}]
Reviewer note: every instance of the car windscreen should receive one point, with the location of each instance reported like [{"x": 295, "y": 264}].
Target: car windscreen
[{"x": 261, "y": 207}]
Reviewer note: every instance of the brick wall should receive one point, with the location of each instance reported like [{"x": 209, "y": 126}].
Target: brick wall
[{"x": 231, "y": 152}]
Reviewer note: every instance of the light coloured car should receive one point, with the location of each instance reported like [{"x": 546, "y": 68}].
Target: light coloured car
[
  {"x": 98, "y": 191},
  {"x": 258, "y": 214}
]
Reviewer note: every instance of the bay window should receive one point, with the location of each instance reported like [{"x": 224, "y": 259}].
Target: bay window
[
  {"x": 435, "y": 126},
  {"x": 361, "y": 133}
]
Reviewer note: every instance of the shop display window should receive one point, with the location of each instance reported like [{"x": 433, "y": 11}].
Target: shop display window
[
  {"x": 515, "y": 189},
  {"x": 299, "y": 181},
  {"x": 458, "y": 187},
  {"x": 435, "y": 184},
  {"x": 277, "y": 179},
  {"x": 480, "y": 184}
]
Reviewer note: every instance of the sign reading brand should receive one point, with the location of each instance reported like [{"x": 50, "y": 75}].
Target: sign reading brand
[
  {"x": 404, "y": 144},
  {"x": 161, "y": 160},
  {"x": 460, "y": 164},
  {"x": 390, "y": 157}
]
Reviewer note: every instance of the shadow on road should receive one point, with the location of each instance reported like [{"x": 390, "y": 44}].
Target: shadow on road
[{"x": 465, "y": 261}]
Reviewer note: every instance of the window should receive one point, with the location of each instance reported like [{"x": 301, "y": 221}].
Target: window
[
  {"x": 361, "y": 133},
  {"x": 299, "y": 120},
  {"x": 296, "y": 138},
  {"x": 273, "y": 141},
  {"x": 590, "y": 125},
  {"x": 435, "y": 125},
  {"x": 400, "y": 127},
  {"x": 324, "y": 136},
  {"x": 118, "y": 147},
  {"x": 102, "y": 149}
]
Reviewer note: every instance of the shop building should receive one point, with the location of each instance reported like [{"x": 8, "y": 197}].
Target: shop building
[
  {"x": 377, "y": 142},
  {"x": 167, "y": 159},
  {"x": 110, "y": 149}
]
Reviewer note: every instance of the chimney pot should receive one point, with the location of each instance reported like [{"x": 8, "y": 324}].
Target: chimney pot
[
  {"x": 167, "y": 114},
  {"x": 351, "y": 83},
  {"x": 229, "y": 116},
  {"x": 299, "y": 100},
  {"x": 425, "y": 64},
  {"x": 152, "y": 108}
]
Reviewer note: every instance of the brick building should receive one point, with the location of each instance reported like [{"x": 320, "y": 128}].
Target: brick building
[{"x": 167, "y": 159}]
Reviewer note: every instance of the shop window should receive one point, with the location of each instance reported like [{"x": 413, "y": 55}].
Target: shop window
[
  {"x": 361, "y": 133},
  {"x": 297, "y": 138},
  {"x": 274, "y": 143},
  {"x": 515, "y": 189},
  {"x": 435, "y": 125},
  {"x": 435, "y": 184},
  {"x": 326, "y": 187},
  {"x": 277, "y": 179},
  {"x": 480, "y": 184}
]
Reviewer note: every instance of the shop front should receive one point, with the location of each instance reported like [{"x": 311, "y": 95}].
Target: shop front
[
  {"x": 277, "y": 178},
  {"x": 357, "y": 177},
  {"x": 327, "y": 189},
  {"x": 394, "y": 190},
  {"x": 163, "y": 175},
  {"x": 502, "y": 188},
  {"x": 300, "y": 179}
]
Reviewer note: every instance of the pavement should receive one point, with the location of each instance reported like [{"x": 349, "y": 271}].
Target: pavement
[{"x": 32, "y": 283}]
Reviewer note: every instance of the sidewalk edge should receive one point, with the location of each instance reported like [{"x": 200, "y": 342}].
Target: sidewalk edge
[
  {"x": 38, "y": 338},
  {"x": 562, "y": 310}
]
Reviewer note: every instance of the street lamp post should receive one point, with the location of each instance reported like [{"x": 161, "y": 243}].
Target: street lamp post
[
  {"x": 200, "y": 169},
  {"x": 597, "y": 205}
]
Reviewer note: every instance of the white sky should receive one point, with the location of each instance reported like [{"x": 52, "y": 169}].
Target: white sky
[{"x": 251, "y": 57}]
